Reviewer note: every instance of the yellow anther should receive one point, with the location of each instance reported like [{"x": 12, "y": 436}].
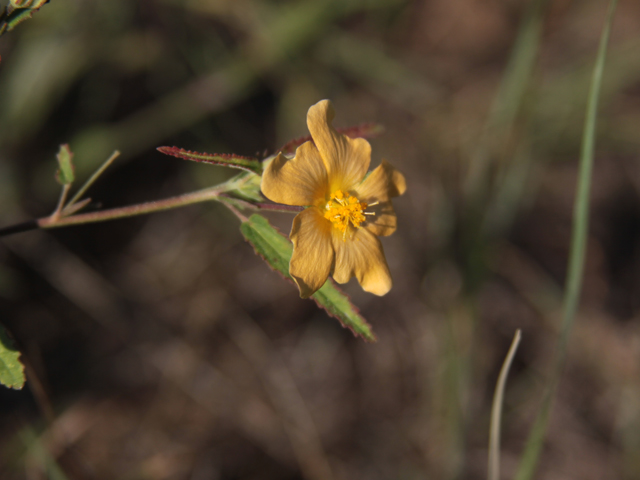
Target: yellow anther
[{"x": 343, "y": 209}]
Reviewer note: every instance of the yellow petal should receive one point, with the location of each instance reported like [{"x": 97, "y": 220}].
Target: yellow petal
[
  {"x": 381, "y": 184},
  {"x": 312, "y": 257},
  {"x": 384, "y": 222},
  {"x": 361, "y": 255},
  {"x": 300, "y": 181},
  {"x": 347, "y": 159}
]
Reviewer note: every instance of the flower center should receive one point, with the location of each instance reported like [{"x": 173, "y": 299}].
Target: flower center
[{"x": 342, "y": 209}]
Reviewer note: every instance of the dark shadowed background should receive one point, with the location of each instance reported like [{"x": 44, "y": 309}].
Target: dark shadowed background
[{"x": 161, "y": 347}]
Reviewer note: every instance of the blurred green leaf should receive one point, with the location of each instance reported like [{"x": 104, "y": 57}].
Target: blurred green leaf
[
  {"x": 39, "y": 72},
  {"x": 33, "y": 4},
  {"x": 11, "y": 370},
  {"x": 17, "y": 12},
  {"x": 224, "y": 159},
  {"x": 276, "y": 250},
  {"x": 508, "y": 104},
  {"x": 372, "y": 64},
  {"x": 284, "y": 32},
  {"x": 65, "y": 174}
]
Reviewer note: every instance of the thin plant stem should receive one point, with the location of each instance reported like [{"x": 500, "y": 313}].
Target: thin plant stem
[
  {"x": 233, "y": 209},
  {"x": 63, "y": 197},
  {"x": 71, "y": 209},
  {"x": 133, "y": 210},
  {"x": 277, "y": 207},
  {"x": 271, "y": 207},
  {"x": 39, "y": 391},
  {"x": 496, "y": 411},
  {"x": 92, "y": 179},
  {"x": 579, "y": 233},
  {"x": 19, "y": 228},
  {"x": 215, "y": 193}
]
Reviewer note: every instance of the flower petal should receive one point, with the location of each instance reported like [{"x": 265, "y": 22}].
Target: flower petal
[
  {"x": 300, "y": 181},
  {"x": 361, "y": 255},
  {"x": 382, "y": 183},
  {"x": 384, "y": 222},
  {"x": 313, "y": 255},
  {"x": 347, "y": 159}
]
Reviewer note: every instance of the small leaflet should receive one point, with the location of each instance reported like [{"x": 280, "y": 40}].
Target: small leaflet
[
  {"x": 11, "y": 370},
  {"x": 65, "y": 174}
]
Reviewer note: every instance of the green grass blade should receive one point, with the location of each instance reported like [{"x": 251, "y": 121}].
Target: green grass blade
[
  {"x": 510, "y": 96},
  {"x": 520, "y": 68},
  {"x": 276, "y": 250},
  {"x": 579, "y": 232}
]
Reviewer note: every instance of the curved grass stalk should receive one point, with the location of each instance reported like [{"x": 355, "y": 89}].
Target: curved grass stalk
[{"x": 496, "y": 411}]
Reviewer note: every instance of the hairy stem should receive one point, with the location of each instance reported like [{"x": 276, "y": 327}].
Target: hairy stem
[
  {"x": 132, "y": 210},
  {"x": 215, "y": 193}
]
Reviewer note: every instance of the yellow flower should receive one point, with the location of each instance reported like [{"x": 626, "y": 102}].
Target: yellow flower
[{"x": 338, "y": 233}]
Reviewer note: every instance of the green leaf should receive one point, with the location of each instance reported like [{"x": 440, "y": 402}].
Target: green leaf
[
  {"x": 17, "y": 12},
  {"x": 250, "y": 164},
  {"x": 27, "y": 3},
  {"x": 337, "y": 304},
  {"x": 65, "y": 174},
  {"x": 11, "y": 370},
  {"x": 276, "y": 250},
  {"x": 268, "y": 242}
]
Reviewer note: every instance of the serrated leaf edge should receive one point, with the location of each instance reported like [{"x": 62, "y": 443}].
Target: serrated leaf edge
[
  {"x": 372, "y": 338},
  {"x": 223, "y": 159}
]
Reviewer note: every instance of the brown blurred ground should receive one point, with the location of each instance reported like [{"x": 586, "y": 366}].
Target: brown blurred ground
[{"x": 163, "y": 348}]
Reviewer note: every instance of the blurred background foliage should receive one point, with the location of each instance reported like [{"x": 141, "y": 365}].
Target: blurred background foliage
[{"x": 163, "y": 348}]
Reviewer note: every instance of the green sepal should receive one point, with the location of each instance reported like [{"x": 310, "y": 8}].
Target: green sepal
[
  {"x": 11, "y": 370},
  {"x": 65, "y": 174},
  {"x": 276, "y": 250},
  {"x": 246, "y": 186},
  {"x": 250, "y": 164}
]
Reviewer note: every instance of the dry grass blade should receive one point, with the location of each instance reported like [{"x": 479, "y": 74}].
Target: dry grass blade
[{"x": 496, "y": 411}]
